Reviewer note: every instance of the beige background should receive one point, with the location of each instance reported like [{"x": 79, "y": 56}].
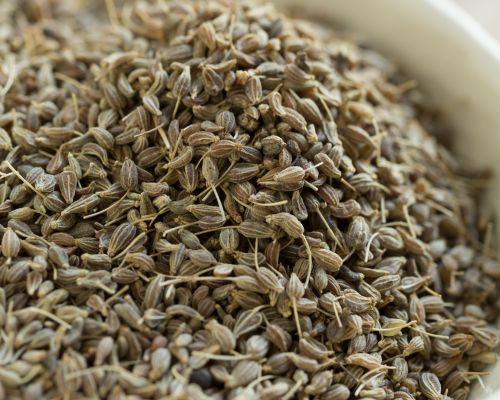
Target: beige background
[{"x": 487, "y": 12}]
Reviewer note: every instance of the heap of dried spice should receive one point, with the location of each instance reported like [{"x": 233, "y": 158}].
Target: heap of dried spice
[{"x": 209, "y": 200}]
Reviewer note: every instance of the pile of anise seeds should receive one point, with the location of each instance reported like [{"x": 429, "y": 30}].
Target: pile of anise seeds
[{"x": 205, "y": 199}]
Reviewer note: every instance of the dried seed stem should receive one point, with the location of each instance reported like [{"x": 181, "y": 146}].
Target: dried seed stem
[
  {"x": 67, "y": 79},
  {"x": 278, "y": 203},
  {"x": 430, "y": 291},
  {"x": 132, "y": 243},
  {"x": 240, "y": 202},
  {"x": 192, "y": 279},
  {"x": 177, "y": 375},
  {"x": 45, "y": 313},
  {"x": 222, "y": 214},
  {"x": 429, "y": 334},
  {"x": 117, "y": 295},
  {"x": 292, "y": 391},
  {"x": 368, "y": 245},
  {"x": 256, "y": 254},
  {"x": 391, "y": 329},
  {"x": 216, "y": 229},
  {"x": 101, "y": 368},
  {"x": 329, "y": 229},
  {"x": 176, "y": 108},
  {"x": 261, "y": 379},
  {"x": 221, "y": 179},
  {"x": 408, "y": 220},
  {"x": 112, "y": 13},
  {"x": 382, "y": 209},
  {"x": 154, "y": 128},
  {"x": 221, "y": 357},
  {"x": 309, "y": 256},
  {"x": 310, "y": 186},
  {"x": 176, "y": 228},
  {"x": 325, "y": 106},
  {"x": 14, "y": 171},
  {"x": 348, "y": 185},
  {"x": 11, "y": 75},
  {"x": 88, "y": 216},
  {"x": 114, "y": 221},
  {"x": 364, "y": 384},
  {"x": 296, "y": 316}
]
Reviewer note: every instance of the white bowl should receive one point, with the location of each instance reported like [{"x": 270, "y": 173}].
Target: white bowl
[{"x": 457, "y": 65}]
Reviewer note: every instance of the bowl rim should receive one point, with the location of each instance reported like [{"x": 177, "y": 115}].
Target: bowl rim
[{"x": 472, "y": 29}]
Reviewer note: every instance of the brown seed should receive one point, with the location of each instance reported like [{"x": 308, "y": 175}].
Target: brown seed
[
  {"x": 305, "y": 363},
  {"x": 320, "y": 382},
  {"x": 290, "y": 174},
  {"x": 129, "y": 178},
  {"x": 201, "y": 258},
  {"x": 357, "y": 302},
  {"x": 229, "y": 240},
  {"x": 337, "y": 391},
  {"x": 212, "y": 81},
  {"x": 289, "y": 223},
  {"x": 242, "y": 172},
  {"x": 183, "y": 83},
  {"x": 11, "y": 245},
  {"x": 358, "y": 233},
  {"x": 327, "y": 166},
  {"x": 255, "y": 230},
  {"x": 247, "y": 322},
  {"x": 103, "y": 137},
  {"x": 222, "y": 335},
  {"x": 121, "y": 237},
  {"x": 160, "y": 363},
  {"x": 364, "y": 360},
  {"x": 207, "y": 34},
  {"x": 152, "y": 104},
  {"x": 67, "y": 182},
  {"x": 430, "y": 386},
  {"x": 243, "y": 373},
  {"x": 295, "y": 288},
  {"x": 347, "y": 209},
  {"x": 253, "y": 89},
  {"x": 269, "y": 279},
  {"x": 278, "y": 337},
  {"x": 327, "y": 259}
]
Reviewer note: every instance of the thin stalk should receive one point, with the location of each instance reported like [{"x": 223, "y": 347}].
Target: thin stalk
[
  {"x": 107, "y": 208},
  {"x": 309, "y": 256},
  {"x": 408, "y": 220},
  {"x": 368, "y": 245},
  {"x": 132, "y": 243},
  {"x": 296, "y": 316},
  {"x": 112, "y": 13},
  {"x": 15, "y": 172},
  {"x": 117, "y": 294},
  {"x": 222, "y": 213},
  {"x": 256, "y": 254},
  {"x": 45, "y": 313},
  {"x": 277, "y": 203},
  {"x": 221, "y": 357},
  {"x": 328, "y": 229},
  {"x": 176, "y": 228}
]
